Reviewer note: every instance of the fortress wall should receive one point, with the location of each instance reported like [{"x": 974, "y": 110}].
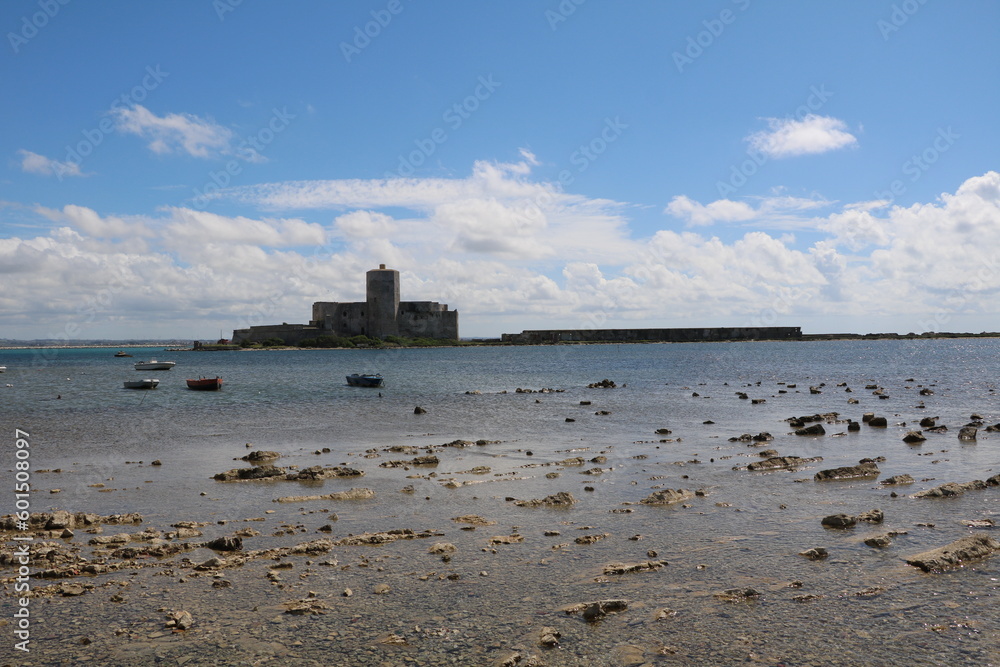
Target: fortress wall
[
  {"x": 665, "y": 335},
  {"x": 427, "y": 322}
]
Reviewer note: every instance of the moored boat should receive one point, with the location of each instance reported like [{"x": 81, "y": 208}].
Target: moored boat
[
  {"x": 154, "y": 365},
  {"x": 205, "y": 384},
  {"x": 364, "y": 380},
  {"x": 3, "y": 369},
  {"x": 122, "y": 353},
  {"x": 148, "y": 383}
]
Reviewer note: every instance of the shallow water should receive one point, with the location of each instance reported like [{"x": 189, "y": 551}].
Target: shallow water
[{"x": 746, "y": 531}]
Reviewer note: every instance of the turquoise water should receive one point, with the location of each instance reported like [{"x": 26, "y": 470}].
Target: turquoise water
[{"x": 746, "y": 531}]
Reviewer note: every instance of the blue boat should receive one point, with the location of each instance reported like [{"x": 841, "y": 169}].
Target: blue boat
[{"x": 364, "y": 380}]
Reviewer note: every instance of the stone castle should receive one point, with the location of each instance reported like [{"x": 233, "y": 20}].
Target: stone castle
[{"x": 382, "y": 314}]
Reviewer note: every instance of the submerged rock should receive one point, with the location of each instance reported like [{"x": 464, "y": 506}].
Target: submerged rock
[
  {"x": 839, "y": 521},
  {"x": 782, "y": 462},
  {"x": 667, "y": 497},
  {"x": 816, "y": 553},
  {"x": 897, "y": 479},
  {"x": 247, "y": 474},
  {"x": 951, "y": 489},
  {"x": 260, "y": 455},
  {"x": 561, "y": 499},
  {"x": 863, "y": 469},
  {"x": 319, "y": 472}
]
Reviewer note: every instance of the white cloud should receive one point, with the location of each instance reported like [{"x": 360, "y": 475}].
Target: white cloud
[
  {"x": 772, "y": 212},
  {"x": 178, "y": 132},
  {"x": 788, "y": 137},
  {"x": 188, "y": 228},
  {"x": 569, "y": 262},
  {"x": 697, "y": 214},
  {"x": 33, "y": 163}
]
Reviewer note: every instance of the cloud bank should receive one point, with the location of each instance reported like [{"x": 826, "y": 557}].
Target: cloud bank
[{"x": 508, "y": 252}]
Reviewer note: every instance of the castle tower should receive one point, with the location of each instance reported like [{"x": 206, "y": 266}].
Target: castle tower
[{"x": 383, "y": 302}]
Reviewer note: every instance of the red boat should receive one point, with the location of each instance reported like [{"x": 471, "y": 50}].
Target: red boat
[{"x": 205, "y": 384}]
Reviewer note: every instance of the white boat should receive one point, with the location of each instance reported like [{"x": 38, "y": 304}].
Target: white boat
[
  {"x": 149, "y": 383},
  {"x": 3, "y": 369},
  {"x": 154, "y": 365}
]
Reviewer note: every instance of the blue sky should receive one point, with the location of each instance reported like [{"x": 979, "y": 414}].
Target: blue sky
[{"x": 179, "y": 169}]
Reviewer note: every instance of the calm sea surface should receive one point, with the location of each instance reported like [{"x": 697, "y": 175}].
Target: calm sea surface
[{"x": 746, "y": 531}]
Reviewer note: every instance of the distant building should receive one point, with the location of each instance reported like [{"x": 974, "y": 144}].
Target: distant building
[{"x": 382, "y": 314}]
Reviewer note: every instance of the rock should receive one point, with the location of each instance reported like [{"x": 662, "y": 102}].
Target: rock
[
  {"x": 663, "y": 431},
  {"x": 225, "y": 544},
  {"x": 419, "y": 411},
  {"x": 865, "y": 469},
  {"x": 71, "y": 590},
  {"x": 739, "y": 595},
  {"x": 951, "y": 489},
  {"x": 603, "y": 384},
  {"x": 59, "y": 520},
  {"x": 211, "y": 564},
  {"x": 816, "y": 553},
  {"x": 667, "y": 497},
  {"x": 878, "y": 422},
  {"x": 815, "y": 429},
  {"x": 897, "y": 479},
  {"x": 548, "y": 636},
  {"x": 376, "y": 538},
  {"x": 967, "y": 433},
  {"x": 352, "y": 494},
  {"x": 244, "y": 474},
  {"x": 867, "y": 417},
  {"x": 853, "y": 426},
  {"x": 839, "y": 521},
  {"x": 382, "y": 589},
  {"x": 956, "y": 554},
  {"x": 315, "y": 473},
  {"x": 442, "y": 548},
  {"x": 157, "y": 462},
  {"x": 871, "y": 516},
  {"x": 879, "y": 541},
  {"x": 595, "y": 611},
  {"x": 627, "y": 568},
  {"x": 928, "y": 422},
  {"x": 260, "y": 455},
  {"x": 304, "y": 607},
  {"x": 427, "y": 460},
  {"x": 561, "y": 499},
  {"x": 781, "y": 462},
  {"x": 914, "y": 438},
  {"x": 180, "y": 620},
  {"x": 474, "y": 520}
]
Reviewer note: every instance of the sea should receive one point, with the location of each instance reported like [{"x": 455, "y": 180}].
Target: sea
[{"x": 673, "y": 420}]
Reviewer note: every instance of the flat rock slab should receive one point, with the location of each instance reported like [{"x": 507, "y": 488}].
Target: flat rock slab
[
  {"x": 782, "y": 463},
  {"x": 956, "y": 554},
  {"x": 667, "y": 497},
  {"x": 866, "y": 469},
  {"x": 951, "y": 489}
]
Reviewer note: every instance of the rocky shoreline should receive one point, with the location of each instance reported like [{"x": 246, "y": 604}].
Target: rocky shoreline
[{"x": 551, "y": 557}]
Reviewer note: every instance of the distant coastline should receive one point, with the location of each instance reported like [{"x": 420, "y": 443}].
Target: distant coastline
[{"x": 79, "y": 345}]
